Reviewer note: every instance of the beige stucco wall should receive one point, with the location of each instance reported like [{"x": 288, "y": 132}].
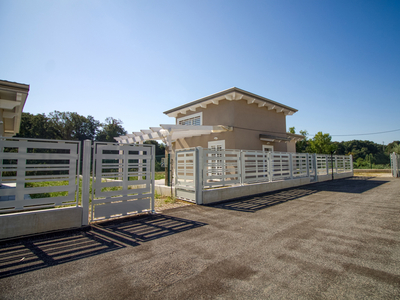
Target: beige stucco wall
[{"x": 248, "y": 121}]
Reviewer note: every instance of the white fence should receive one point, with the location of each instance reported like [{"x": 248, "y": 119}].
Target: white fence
[
  {"x": 201, "y": 169},
  {"x": 32, "y": 170},
  {"x": 395, "y": 164},
  {"x": 39, "y": 175}
]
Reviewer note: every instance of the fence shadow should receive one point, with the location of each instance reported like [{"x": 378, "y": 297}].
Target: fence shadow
[
  {"x": 356, "y": 185},
  {"x": 38, "y": 252},
  {"x": 147, "y": 228},
  {"x": 30, "y": 254},
  {"x": 261, "y": 201}
]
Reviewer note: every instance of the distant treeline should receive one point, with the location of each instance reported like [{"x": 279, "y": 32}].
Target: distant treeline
[
  {"x": 72, "y": 126},
  {"x": 366, "y": 154}
]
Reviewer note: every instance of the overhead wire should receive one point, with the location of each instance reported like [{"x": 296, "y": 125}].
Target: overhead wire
[{"x": 354, "y": 134}]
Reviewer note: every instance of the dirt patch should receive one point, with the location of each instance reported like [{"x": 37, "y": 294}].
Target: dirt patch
[
  {"x": 370, "y": 174},
  {"x": 164, "y": 203}
]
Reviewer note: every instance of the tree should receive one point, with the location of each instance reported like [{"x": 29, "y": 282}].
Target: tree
[
  {"x": 301, "y": 146},
  {"x": 35, "y": 126},
  {"x": 110, "y": 129},
  {"x": 396, "y": 149},
  {"x": 322, "y": 144},
  {"x": 72, "y": 126}
]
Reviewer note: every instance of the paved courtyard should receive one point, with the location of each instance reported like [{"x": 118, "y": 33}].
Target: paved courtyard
[{"x": 334, "y": 240}]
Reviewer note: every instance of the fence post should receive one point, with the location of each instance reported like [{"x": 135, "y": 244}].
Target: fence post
[
  {"x": 351, "y": 163},
  {"x": 153, "y": 173},
  {"x": 315, "y": 159},
  {"x": 308, "y": 164},
  {"x": 270, "y": 166},
  {"x": 327, "y": 164},
  {"x": 336, "y": 167},
  {"x": 198, "y": 175},
  {"x": 87, "y": 149},
  {"x": 291, "y": 165},
  {"x": 241, "y": 167}
]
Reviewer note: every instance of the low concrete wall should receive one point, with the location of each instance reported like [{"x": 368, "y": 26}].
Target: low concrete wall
[
  {"x": 32, "y": 222},
  {"x": 164, "y": 190},
  {"x": 228, "y": 193},
  {"x": 335, "y": 176}
]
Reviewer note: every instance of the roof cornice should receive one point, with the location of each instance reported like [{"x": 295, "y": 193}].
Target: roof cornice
[{"x": 231, "y": 94}]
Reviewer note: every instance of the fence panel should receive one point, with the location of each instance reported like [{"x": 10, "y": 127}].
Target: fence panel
[
  {"x": 38, "y": 173},
  {"x": 322, "y": 164},
  {"x": 185, "y": 174},
  {"x": 280, "y": 166},
  {"x": 221, "y": 168},
  {"x": 124, "y": 182},
  {"x": 299, "y": 161},
  {"x": 255, "y": 166}
]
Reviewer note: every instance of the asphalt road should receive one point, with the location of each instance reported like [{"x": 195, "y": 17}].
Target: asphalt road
[{"x": 333, "y": 240}]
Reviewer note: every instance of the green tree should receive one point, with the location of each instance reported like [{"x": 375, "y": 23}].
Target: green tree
[
  {"x": 110, "y": 129},
  {"x": 396, "y": 149},
  {"x": 322, "y": 144},
  {"x": 72, "y": 126},
  {"x": 35, "y": 126}
]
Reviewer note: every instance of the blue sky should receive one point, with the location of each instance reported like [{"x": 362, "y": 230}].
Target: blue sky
[{"x": 337, "y": 62}]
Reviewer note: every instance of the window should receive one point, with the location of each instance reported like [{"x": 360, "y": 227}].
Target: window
[
  {"x": 194, "y": 120},
  {"x": 268, "y": 148},
  {"x": 216, "y": 164}
]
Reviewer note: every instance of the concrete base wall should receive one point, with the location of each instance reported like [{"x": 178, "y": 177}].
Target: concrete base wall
[
  {"x": 322, "y": 178},
  {"x": 227, "y": 193},
  {"x": 33, "y": 222},
  {"x": 222, "y": 194},
  {"x": 164, "y": 190}
]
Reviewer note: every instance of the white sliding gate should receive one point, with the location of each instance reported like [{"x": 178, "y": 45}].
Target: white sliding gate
[
  {"x": 123, "y": 182},
  {"x": 32, "y": 171}
]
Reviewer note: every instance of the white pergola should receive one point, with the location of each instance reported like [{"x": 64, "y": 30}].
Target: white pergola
[{"x": 169, "y": 133}]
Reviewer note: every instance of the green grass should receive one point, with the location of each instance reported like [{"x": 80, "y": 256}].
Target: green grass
[
  {"x": 46, "y": 184},
  {"x": 158, "y": 175}
]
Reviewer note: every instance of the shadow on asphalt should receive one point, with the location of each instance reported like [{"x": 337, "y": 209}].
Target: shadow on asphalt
[
  {"x": 147, "y": 228},
  {"x": 37, "y": 252},
  {"x": 262, "y": 201}
]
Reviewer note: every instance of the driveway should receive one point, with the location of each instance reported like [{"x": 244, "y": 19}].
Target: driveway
[{"x": 334, "y": 240}]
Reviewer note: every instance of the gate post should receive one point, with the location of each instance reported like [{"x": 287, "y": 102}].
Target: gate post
[{"x": 87, "y": 149}]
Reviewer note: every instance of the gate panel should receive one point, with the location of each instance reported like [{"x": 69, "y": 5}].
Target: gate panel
[
  {"x": 185, "y": 174},
  {"x": 124, "y": 180},
  {"x": 39, "y": 173}
]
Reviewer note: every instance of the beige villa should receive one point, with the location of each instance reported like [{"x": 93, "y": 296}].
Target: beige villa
[
  {"x": 12, "y": 100},
  {"x": 231, "y": 119}
]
